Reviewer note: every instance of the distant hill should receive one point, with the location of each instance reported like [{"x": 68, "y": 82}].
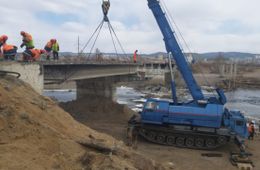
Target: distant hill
[
  {"x": 213, "y": 55},
  {"x": 196, "y": 56},
  {"x": 228, "y": 55}
]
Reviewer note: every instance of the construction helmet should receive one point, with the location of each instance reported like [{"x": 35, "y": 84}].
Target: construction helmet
[
  {"x": 5, "y": 37},
  {"x": 22, "y": 33}
]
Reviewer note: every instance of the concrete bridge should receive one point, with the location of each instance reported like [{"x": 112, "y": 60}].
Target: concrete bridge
[
  {"x": 94, "y": 79},
  {"x": 91, "y": 79},
  {"x": 74, "y": 72}
]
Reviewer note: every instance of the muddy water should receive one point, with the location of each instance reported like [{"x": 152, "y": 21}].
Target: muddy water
[{"x": 241, "y": 99}]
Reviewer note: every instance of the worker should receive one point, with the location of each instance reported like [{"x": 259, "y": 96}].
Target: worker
[
  {"x": 251, "y": 131},
  {"x": 9, "y": 51},
  {"x": 48, "y": 48},
  {"x": 132, "y": 132},
  {"x": 135, "y": 56},
  {"x": 3, "y": 40},
  {"x": 55, "y": 50},
  {"x": 32, "y": 54},
  {"x": 27, "y": 40}
]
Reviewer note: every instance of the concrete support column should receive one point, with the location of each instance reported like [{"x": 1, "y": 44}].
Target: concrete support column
[
  {"x": 31, "y": 73},
  {"x": 99, "y": 87}
]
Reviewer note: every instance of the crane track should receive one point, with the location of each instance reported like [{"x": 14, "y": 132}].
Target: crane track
[{"x": 182, "y": 139}]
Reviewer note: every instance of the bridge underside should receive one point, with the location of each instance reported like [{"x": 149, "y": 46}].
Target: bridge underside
[
  {"x": 101, "y": 87},
  {"x": 62, "y": 73}
]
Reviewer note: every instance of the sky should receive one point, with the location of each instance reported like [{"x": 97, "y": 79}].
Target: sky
[{"x": 206, "y": 25}]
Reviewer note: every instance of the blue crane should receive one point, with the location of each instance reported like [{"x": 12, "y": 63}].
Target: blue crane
[
  {"x": 173, "y": 48},
  {"x": 202, "y": 123}
]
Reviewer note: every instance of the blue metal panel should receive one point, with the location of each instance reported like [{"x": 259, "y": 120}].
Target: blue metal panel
[
  {"x": 237, "y": 123},
  {"x": 207, "y": 116}
]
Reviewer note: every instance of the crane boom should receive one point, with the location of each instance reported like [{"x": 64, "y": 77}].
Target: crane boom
[{"x": 173, "y": 47}]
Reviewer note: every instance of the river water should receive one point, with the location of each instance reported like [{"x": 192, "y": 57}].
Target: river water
[{"x": 241, "y": 99}]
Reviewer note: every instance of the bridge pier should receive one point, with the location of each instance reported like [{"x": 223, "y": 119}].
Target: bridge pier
[
  {"x": 31, "y": 73},
  {"x": 99, "y": 87}
]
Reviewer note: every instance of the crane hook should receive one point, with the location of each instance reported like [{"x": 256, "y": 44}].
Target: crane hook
[{"x": 105, "y": 8}]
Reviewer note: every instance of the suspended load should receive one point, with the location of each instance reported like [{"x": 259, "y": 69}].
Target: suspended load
[{"x": 94, "y": 37}]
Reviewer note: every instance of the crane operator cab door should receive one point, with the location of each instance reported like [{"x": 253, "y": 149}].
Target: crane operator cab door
[{"x": 154, "y": 111}]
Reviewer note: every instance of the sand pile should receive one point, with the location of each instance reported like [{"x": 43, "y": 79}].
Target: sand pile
[{"x": 37, "y": 134}]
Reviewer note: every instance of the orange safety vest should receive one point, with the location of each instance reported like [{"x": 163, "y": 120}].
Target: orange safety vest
[
  {"x": 250, "y": 128},
  {"x": 7, "y": 47},
  {"x": 135, "y": 56},
  {"x": 36, "y": 54}
]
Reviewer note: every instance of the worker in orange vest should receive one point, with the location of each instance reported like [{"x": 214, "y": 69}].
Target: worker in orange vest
[
  {"x": 135, "y": 56},
  {"x": 251, "y": 131},
  {"x": 32, "y": 54},
  {"x": 48, "y": 48},
  {"x": 3, "y": 40},
  {"x": 8, "y": 51},
  {"x": 27, "y": 40}
]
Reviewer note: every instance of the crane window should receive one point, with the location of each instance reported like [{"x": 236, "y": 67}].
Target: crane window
[
  {"x": 151, "y": 106},
  {"x": 239, "y": 123}
]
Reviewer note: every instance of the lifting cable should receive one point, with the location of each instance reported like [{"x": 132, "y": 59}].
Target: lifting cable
[
  {"x": 91, "y": 38},
  {"x": 113, "y": 41},
  {"x": 102, "y": 23},
  {"x": 105, "y": 8},
  {"x": 118, "y": 39}
]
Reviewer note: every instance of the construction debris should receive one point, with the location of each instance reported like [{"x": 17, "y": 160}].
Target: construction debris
[
  {"x": 243, "y": 162},
  {"x": 212, "y": 154}
]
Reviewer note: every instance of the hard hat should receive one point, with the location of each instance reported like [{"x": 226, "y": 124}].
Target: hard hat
[
  {"x": 5, "y": 37},
  {"x": 22, "y": 32}
]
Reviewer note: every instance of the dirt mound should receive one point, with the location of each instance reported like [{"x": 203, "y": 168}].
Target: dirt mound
[
  {"x": 37, "y": 134},
  {"x": 97, "y": 109}
]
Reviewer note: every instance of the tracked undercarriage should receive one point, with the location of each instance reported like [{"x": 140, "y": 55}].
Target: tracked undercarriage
[{"x": 179, "y": 136}]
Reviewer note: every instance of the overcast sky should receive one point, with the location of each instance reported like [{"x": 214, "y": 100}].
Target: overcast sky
[{"x": 206, "y": 25}]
